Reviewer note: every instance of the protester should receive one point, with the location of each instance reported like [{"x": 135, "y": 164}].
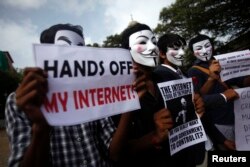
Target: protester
[
  {"x": 34, "y": 143},
  {"x": 172, "y": 56},
  {"x": 148, "y": 125},
  {"x": 148, "y": 144},
  {"x": 218, "y": 96}
]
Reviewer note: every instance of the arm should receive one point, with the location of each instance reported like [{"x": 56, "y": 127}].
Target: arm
[
  {"x": 163, "y": 122},
  {"x": 29, "y": 97},
  {"x": 37, "y": 153},
  {"x": 119, "y": 140},
  {"x": 129, "y": 148},
  {"x": 216, "y": 136},
  {"x": 214, "y": 70},
  {"x": 118, "y": 146},
  {"x": 199, "y": 104}
]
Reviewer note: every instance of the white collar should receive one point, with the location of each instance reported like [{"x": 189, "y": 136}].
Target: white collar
[{"x": 170, "y": 67}]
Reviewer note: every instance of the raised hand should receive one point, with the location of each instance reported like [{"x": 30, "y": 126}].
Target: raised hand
[
  {"x": 231, "y": 94},
  {"x": 163, "y": 122},
  {"x": 214, "y": 70},
  {"x": 31, "y": 93},
  {"x": 199, "y": 104}
]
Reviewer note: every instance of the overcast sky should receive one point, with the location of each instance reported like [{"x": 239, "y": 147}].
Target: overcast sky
[{"x": 22, "y": 21}]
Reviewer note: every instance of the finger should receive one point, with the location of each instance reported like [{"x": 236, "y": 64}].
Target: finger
[
  {"x": 139, "y": 85},
  {"x": 33, "y": 85},
  {"x": 166, "y": 122},
  {"x": 215, "y": 61},
  {"x": 141, "y": 93},
  {"x": 236, "y": 94},
  {"x": 139, "y": 79},
  {"x": 34, "y": 70},
  {"x": 33, "y": 76},
  {"x": 23, "y": 100}
]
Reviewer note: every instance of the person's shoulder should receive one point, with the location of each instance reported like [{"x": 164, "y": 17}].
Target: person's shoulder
[
  {"x": 159, "y": 68},
  {"x": 196, "y": 70},
  {"x": 11, "y": 99},
  {"x": 11, "y": 108},
  {"x": 162, "y": 69}
]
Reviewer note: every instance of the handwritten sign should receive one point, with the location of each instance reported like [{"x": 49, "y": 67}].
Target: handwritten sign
[
  {"x": 85, "y": 83},
  {"x": 242, "y": 119},
  {"x": 234, "y": 64},
  {"x": 187, "y": 129}
]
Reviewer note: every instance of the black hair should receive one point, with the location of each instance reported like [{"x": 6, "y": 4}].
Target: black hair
[
  {"x": 199, "y": 38},
  {"x": 170, "y": 40},
  {"x": 130, "y": 30},
  {"x": 48, "y": 35}
]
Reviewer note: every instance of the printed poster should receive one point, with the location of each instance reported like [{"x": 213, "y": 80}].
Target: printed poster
[{"x": 187, "y": 129}]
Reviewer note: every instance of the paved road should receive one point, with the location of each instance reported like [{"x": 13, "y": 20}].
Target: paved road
[{"x": 4, "y": 150}]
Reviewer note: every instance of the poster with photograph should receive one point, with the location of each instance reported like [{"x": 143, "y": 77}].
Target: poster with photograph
[{"x": 187, "y": 129}]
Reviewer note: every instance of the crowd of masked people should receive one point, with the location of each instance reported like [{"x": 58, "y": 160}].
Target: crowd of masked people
[{"x": 136, "y": 138}]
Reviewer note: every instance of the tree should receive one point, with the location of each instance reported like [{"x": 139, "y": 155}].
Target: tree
[
  {"x": 9, "y": 82},
  {"x": 219, "y": 18},
  {"x": 96, "y": 45},
  {"x": 112, "y": 41}
]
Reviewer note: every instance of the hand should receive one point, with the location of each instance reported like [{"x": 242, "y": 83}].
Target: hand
[
  {"x": 163, "y": 122},
  {"x": 31, "y": 93},
  {"x": 230, "y": 145},
  {"x": 231, "y": 94},
  {"x": 214, "y": 70},
  {"x": 199, "y": 104}
]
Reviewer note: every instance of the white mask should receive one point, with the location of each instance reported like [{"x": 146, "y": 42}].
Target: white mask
[
  {"x": 203, "y": 50},
  {"x": 67, "y": 37},
  {"x": 175, "y": 55},
  {"x": 143, "y": 48}
]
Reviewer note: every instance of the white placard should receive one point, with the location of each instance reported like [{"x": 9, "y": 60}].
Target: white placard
[
  {"x": 242, "y": 119},
  {"x": 234, "y": 64},
  {"x": 86, "y": 83}
]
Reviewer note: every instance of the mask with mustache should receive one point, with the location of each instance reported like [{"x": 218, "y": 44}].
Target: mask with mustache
[{"x": 143, "y": 48}]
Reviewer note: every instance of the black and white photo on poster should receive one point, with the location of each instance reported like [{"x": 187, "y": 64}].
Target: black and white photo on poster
[
  {"x": 187, "y": 129},
  {"x": 183, "y": 107}
]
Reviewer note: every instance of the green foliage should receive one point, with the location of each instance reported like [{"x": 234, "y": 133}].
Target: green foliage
[
  {"x": 112, "y": 41},
  {"x": 96, "y": 45},
  {"x": 9, "y": 82},
  {"x": 219, "y": 18}
]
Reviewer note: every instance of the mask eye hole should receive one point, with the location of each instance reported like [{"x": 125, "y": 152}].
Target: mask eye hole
[{"x": 142, "y": 43}]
